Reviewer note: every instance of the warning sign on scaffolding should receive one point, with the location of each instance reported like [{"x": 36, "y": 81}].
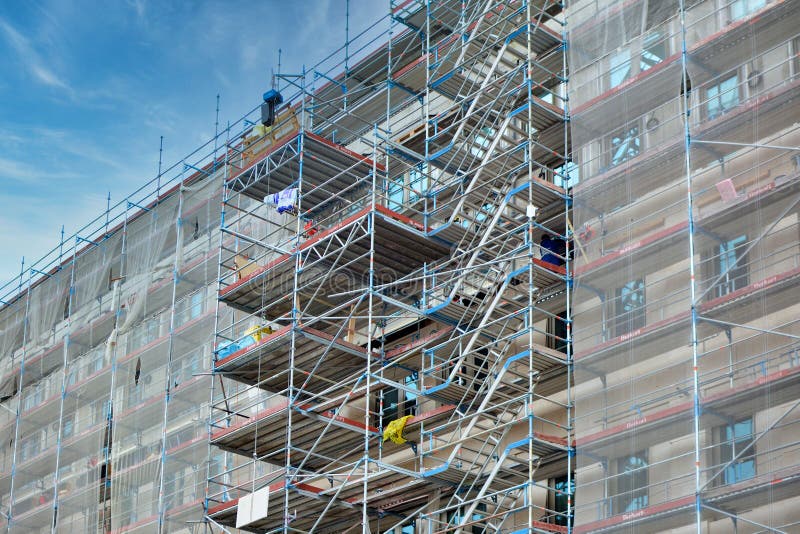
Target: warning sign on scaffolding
[{"x": 252, "y": 508}]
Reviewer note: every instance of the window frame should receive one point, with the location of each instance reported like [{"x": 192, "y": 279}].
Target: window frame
[
  {"x": 627, "y": 134},
  {"x": 744, "y": 8},
  {"x": 397, "y": 403},
  {"x": 196, "y": 304},
  {"x": 732, "y": 261},
  {"x": 630, "y": 60},
  {"x": 653, "y": 43},
  {"x": 634, "y": 495},
  {"x": 726, "y": 89},
  {"x": 571, "y": 171},
  {"x": 717, "y": 258},
  {"x": 408, "y": 187},
  {"x": 418, "y": 180},
  {"x": 394, "y": 186},
  {"x": 557, "y": 495},
  {"x": 625, "y": 320},
  {"x": 481, "y": 141},
  {"x": 557, "y": 332},
  {"x": 453, "y": 517},
  {"x": 729, "y": 443},
  {"x": 617, "y": 60}
]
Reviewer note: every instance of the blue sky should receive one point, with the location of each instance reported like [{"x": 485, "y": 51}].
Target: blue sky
[{"x": 87, "y": 88}]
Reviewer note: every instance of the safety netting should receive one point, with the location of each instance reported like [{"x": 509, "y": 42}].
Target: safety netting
[{"x": 686, "y": 229}]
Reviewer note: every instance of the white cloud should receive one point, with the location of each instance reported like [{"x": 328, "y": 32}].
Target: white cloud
[
  {"x": 140, "y": 6},
  {"x": 31, "y": 59},
  {"x": 25, "y": 173},
  {"x": 191, "y": 52},
  {"x": 17, "y": 171},
  {"x": 35, "y": 240},
  {"x": 71, "y": 143}
]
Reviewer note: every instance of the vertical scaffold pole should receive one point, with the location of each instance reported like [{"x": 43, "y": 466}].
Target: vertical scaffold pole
[
  {"x": 569, "y": 267},
  {"x": 685, "y": 96},
  {"x": 160, "y": 154},
  {"x": 111, "y": 351},
  {"x": 170, "y": 350},
  {"x": 213, "y": 354},
  {"x": 108, "y": 211},
  {"x": 20, "y": 389},
  {"x": 383, "y": 184},
  {"x": 370, "y": 319},
  {"x": 346, "y": 41},
  {"x": 388, "y": 92},
  {"x": 427, "y": 107},
  {"x": 531, "y": 280},
  {"x": 295, "y": 320},
  {"x": 64, "y": 363},
  {"x": 216, "y": 136}
]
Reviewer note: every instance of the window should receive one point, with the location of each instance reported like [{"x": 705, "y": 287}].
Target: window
[
  {"x": 722, "y": 97},
  {"x": 405, "y": 529},
  {"x": 188, "y": 367},
  {"x": 68, "y": 426},
  {"x": 173, "y": 488},
  {"x": 483, "y": 139},
  {"x": 391, "y": 398},
  {"x": 454, "y": 517},
  {"x": 72, "y": 375},
  {"x": 660, "y": 12},
  {"x": 486, "y": 211},
  {"x": 557, "y": 332},
  {"x": 481, "y": 368},
  {"x": 558, "y": 498},
  {"x": 630, "y": 303},
  {"x": 144, "y": 333},
  {"x": 795, "y": 53},
  {"x": 417, "y": 182},
  {"x": 619, "y": 67},
  {"x": 393, "y": 408},
  {"x": 654, "y": 50},
  {"x": 98, "y": 412},
  {"x": 394, "y": 192},
  {"x": 734, "y": 439},
  {"x": 197, "y": 305},
  {"x": 409, "y": 398},
  {"x": 32, "y": 399},
  {"x": 96, "y": 362},
  {"x": 631, "y": 483},
  {"x": 30, "y": 447},
  {"x": 625, "y": 145},
  {"x": 567, "y": 175},
  {"x": 637, "y": 57},
  {"x": 742, "y": 8},
  {"x": 732, "y": 266},
  {"x": 177, "y": 437},
  {"x": 196, "y": 362},
  {"x": 152, "y": 326},
  {"x": 134, "y": 394}
]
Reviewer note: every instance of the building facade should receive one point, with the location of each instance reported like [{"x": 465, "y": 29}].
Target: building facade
[
  {"x": 685, "y": 336},
  {"x": 103, "y": 384},
  {"x": 493, "y": 266}
]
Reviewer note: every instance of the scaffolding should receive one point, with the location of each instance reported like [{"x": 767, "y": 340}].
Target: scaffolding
[
  {"x": 453, "y": 284},
  {"x": 685, "y": 130},
  {"x": 106, "y": 349},
  {"x": 396, "y": 252}
]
